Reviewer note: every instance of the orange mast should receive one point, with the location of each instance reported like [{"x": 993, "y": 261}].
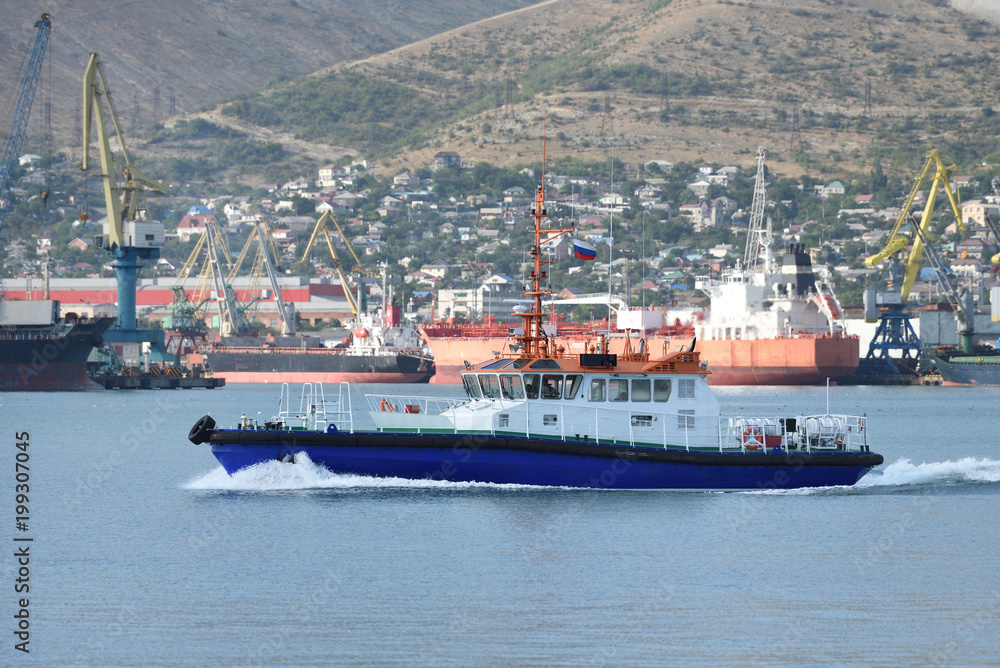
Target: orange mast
[{"x": 534, "y": 342}]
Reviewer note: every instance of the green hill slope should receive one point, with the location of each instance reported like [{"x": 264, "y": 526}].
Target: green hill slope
[{"x": 825, "y": 84}]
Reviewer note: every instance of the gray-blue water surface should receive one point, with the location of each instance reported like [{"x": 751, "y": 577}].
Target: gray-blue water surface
[{"x": 146, "y": 553}]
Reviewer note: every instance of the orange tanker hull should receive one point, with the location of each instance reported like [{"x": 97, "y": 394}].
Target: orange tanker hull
[{"x": 793, "y": 361}]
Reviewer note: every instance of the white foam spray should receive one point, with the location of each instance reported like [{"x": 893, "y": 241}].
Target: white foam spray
[
  {"x": 904, "y": 472},
  {"x": 303, "y": 474}
]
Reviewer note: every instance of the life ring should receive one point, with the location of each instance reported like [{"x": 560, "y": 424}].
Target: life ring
[
  {"x": 861, "y": 426},
  {"x": 200, "y": 430},
  {"x": 751, "y": 435},
  {"x": 386, "y": 406}
]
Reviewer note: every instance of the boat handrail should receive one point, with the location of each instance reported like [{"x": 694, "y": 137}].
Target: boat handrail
[
  {"x": 315, "y": 411},
  {"x": 409, "y": 403},
  {"x": 745, "y": 434}
]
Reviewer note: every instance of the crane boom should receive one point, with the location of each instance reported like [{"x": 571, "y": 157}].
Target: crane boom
[
  {"x": 287, "y": 322},
  {"x": 320, "y": 229},
  {"x": 899, "y": 240},
  {"x": 19, "y": 123},
  {"x": 125, "y": 198}
]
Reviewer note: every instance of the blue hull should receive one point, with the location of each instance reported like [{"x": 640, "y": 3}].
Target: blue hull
[{"x": 548, "y": 463}]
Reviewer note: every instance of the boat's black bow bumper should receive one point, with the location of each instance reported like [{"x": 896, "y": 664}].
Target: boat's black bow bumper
[{"x": 201, "y": 430}]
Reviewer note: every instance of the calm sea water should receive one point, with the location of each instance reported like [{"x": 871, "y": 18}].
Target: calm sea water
[{"x": 146, "y": 553}]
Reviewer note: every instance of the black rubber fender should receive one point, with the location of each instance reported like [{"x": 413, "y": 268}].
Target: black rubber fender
[{"x": 199, "y": 432}]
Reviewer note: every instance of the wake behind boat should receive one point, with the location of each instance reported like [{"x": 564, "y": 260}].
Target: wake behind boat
[{"x": 539, "y": 415}]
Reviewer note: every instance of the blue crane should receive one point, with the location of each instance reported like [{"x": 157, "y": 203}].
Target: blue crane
[{"x": 19, "y": 124}]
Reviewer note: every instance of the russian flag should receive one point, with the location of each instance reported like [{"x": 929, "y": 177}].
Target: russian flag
[{"x": 584, "y": 251}]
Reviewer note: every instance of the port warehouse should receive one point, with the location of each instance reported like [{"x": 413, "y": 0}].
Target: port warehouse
[{"x": 315, "y": 300}]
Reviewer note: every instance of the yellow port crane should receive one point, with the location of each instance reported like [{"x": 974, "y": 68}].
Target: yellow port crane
[
  {"x": 320, "y": 230},
  {"x": 894, "y": 331},
  {"x": 939, "y": 176}
]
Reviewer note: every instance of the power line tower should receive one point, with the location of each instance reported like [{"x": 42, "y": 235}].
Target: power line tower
[
  {"x": 868, "y": 99},
  {"x": 135, "y": 110},
  {"x": 607, "y": 121},
  {"x": 795, "y": 143},
  {"x": 665, "y": 96},
  {"x": 172, "y": 104},
  {"x": 156, "y": 103},
  {"x": 509, "y": 99}
]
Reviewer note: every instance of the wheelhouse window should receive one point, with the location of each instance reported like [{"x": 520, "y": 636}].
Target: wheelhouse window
[
  {"x": 617, "y": 389},
  {"x": 640, "y": 389},
  {"x": 552, "y": 385},
  {"x": 531, "y": 383},
  {"x": 661, "y": 389},
  {"x": 597, "y": 390},
  {"x": 511, "y": 386},
  {"x": 472, "y": 386},
  {"x": 685, "y": 388},
  {"x": 685, "y": 419},
  {"x": 573, "y": 383},
  {"x": 490, "y": 384}
]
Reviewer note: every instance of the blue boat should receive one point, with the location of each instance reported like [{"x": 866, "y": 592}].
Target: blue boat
[{"x": 542, "y": 415}]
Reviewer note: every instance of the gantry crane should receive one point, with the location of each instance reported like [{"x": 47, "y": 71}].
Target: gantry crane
[
  {"x": 321, "y": 230},
  {"x": 894, "y": 332},
  {"x": 128, "y": 234},
  {"x": 287, "y": 319},
  {"x": 22, "y": 110}
]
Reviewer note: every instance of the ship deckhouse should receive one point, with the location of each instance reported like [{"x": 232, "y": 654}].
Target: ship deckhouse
[{"x": 595, "y": 396}]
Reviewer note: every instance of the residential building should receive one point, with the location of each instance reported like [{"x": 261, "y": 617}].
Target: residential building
[{"x": 447, "y": 160}]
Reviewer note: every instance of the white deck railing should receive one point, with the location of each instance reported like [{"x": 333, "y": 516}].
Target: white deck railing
[{"x": 633, "y": 426}]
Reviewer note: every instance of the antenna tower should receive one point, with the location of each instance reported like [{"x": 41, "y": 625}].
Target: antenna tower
[
  {"x": 172, "y": 104},
  {"x": 758, "y": 235},
  {"x": 868, "y": 99}
]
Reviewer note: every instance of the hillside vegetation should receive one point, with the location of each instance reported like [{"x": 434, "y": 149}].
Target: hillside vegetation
[
  {"x": 827, "y": 85},
  {"x": 175, "y": 57}
]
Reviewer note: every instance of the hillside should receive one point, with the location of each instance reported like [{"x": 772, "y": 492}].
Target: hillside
[
  {"x": 175, "y": 57},
  {"x": 825, "y": 84}
]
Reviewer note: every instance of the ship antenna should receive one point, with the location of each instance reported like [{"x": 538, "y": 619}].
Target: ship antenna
[{"x": 533, "y": 341}]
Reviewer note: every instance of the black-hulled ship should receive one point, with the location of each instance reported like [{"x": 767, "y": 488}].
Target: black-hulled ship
[
  {"x": 42, "y": 350},
  {"x": 379, "y": 349}
]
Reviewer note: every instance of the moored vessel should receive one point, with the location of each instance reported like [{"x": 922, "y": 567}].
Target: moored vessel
[
  {"x": 976, "y": 368},
  {"x": 541, "y": 415},
  {"x": 43, "y": 350},
  {"x": 379, "y": 349}
]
